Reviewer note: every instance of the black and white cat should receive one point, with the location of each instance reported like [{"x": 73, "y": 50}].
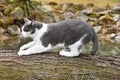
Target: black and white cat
[{"x": 70, "y": 34}]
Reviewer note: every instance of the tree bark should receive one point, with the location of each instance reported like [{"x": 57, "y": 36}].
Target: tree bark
[{"x": 52, "y": 66}]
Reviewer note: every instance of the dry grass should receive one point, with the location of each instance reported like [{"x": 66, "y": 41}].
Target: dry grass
[{"x": 100, "y": 3}]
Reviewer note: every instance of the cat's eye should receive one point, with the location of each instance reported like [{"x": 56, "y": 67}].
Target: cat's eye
[{"x": 26, "y": 28}]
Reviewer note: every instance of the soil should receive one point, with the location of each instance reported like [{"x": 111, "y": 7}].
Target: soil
[{"x": 52, "y": 66}]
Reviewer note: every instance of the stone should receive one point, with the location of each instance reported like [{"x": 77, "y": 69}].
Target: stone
[
  {"x": 116, "y": 17},
  {"x": 106, "y": 18},
  {"x": 18, "y": 13},
  {"x": 79, "y": 6},
  {"x": 81, "y": 16},
  {"x": 66, "y": 6},
  {"x": 69, "y": 15},
  {"x": 45, "y": 8},
  {"x": 47, "y": 19},
  {"x": 8, "y": 19},
  {"x": 116, "y": 9},
  {"x": 87, "y": 11},
  {"x": 13, "y": 30},
  {"x": 2, "y": 30},
  {"x": 105, "y": 12},
  {"x": 53, "y": 3},
  {"x": 4, "y": 0},
  {"x": 117, "y": 38},
  {"x": 57, "y": 17},
  {"x": 11, "y": 43},
  {"x": 2, "y": 22},
  {"x": 97, "y": 28},
  {"x": 112, "y": 35},
  {"x": 7, "y": 9},
  {"x": 118, "y": 24}
]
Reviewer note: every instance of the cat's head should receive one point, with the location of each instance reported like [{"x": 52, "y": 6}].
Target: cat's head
[{"x": 30, "y": 28}]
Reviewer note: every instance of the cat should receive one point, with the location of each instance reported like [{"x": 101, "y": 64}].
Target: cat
[{"x": 69, "y": 34}]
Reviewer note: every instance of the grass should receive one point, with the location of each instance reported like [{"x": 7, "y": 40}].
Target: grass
[{"x": 100, "y": 3}]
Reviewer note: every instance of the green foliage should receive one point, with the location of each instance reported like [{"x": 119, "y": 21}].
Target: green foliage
[{"x": 26, "y": 5}]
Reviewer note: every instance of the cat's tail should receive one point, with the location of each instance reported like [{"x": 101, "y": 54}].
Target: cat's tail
[{"x": 95, "y": 43}]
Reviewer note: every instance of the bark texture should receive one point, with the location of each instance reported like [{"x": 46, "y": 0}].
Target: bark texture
[{"x": 51, "y": 66}]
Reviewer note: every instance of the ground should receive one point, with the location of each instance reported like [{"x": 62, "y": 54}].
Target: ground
[{"x": 52, "y": 66}]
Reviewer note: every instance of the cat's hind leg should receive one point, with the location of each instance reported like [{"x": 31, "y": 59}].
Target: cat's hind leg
[
  {"x": 73, "y": 51},
  {"x": 75, "y": 48},
  {"x": 68, "y": 53}
]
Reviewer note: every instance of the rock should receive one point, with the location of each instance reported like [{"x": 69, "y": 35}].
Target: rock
[
  {"x": 87, "y": 11},
  {"x": 7, "y": 9},
  {"x": 5, "y": 20},
  {"x": 45, "y": 8},
  {"x": 66, "y": 6},
  {"x": 79, "y": 6},
  {"x": 116, "y": 8},
  {"x": 105, "y": 12},
  {"x": 81, "y": 16},
  {"x": 118, "y": 24},
  {"x": 104, "y": 31},
  {"x": 2, "y": 22},
  {"x": 9, "y": 19},
  {"x": 2, "y": 30},
  {"x": 112, "y": 35},
  {"x": 52, "y": 3},
  {"x": 58, "y": 17},
  {"x": 18, "y": 13},
  {"x": 116, "y": 17},
  {"x": 13, "y": 30},
  {"x": 58, "y": 8},
  {"x": 47, "y": 19},
  {"x": 69, "y": 15},
  {"x": 106, "y": 18},
  {"x": 97, "y": 28},
  {"x": 117, "y": 38},
  {"x": 97, "y": 9},
  {"x": 4, "y": 0},
  {"x": 11, "y": 43},
  {"x": 93, "y": 23}
]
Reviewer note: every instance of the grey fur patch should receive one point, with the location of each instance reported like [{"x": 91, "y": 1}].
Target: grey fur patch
[
  {"x": 32, "y": 27},
  {"x": 68, "y": 32}
]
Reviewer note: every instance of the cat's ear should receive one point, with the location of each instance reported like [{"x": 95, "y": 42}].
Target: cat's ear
[
  {"x": 32, "y": 22},
  {"x": 26, "y": 20}
]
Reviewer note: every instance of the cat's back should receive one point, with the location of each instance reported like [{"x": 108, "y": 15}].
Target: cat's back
[{"x": 70, "y": 23}]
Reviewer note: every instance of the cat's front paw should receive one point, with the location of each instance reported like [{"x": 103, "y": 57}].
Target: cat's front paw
[{"x": 21, "y": 53}]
